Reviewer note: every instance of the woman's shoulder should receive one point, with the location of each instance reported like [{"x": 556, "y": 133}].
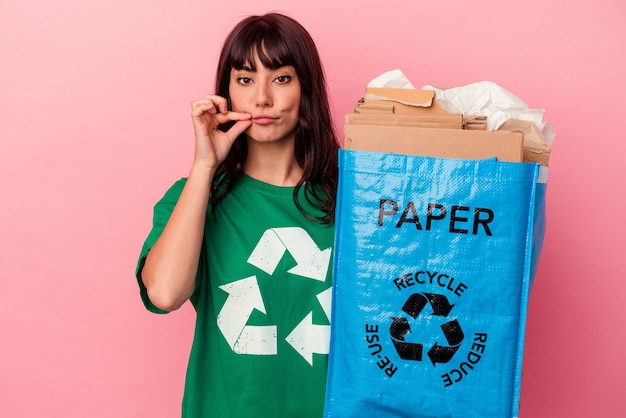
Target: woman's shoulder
[{"x": 173, "y": 192}]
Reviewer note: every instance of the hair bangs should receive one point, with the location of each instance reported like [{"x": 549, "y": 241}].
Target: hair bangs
[{"x": 264, "y": 42}]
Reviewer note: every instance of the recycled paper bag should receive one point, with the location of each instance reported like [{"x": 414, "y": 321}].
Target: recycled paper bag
[{"x": 432, "y": 269}]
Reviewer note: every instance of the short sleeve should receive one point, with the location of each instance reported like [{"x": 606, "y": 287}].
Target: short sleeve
[{"x": 162, "y": 212}]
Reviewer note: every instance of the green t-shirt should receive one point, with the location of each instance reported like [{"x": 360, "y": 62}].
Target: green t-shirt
[{"x": 262, "y": 299}]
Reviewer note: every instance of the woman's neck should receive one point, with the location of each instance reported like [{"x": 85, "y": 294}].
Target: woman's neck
[{"x": 273, "y": 163}]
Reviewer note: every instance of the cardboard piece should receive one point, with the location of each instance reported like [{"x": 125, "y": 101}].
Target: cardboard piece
[
  {"x": 435, "y": 142},
  {"x": 400, "y": 102},
  {"x": 536, "y": 150},
  {"x": 451, "y": 121},
  {"x": 475, "y": 122}
]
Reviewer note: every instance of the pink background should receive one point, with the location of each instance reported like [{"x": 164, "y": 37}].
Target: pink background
[{"x": 94, "y": 126}]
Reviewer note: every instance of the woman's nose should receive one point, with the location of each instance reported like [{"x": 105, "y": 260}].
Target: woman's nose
[{"x": 263, "y": 95}]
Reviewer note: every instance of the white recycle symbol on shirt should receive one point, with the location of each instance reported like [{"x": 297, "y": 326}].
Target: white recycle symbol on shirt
[{"x": 244, "y": 296}]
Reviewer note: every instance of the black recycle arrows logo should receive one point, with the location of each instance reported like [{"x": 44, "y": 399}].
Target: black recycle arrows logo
[{"x": 451, "y": 330}]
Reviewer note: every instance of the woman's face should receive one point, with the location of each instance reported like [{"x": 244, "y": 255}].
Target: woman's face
[{"x": 272, "y": 97}]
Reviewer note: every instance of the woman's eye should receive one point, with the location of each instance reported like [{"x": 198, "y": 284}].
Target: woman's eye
[
  {"x": 244, "y": 80},
  {"x": 282, "y": 79}
]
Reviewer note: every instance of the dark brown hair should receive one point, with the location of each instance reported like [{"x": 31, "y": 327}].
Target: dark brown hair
[{"x": 279, "y": 41}]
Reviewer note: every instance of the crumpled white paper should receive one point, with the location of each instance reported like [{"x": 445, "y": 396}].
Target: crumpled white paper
[
  {"x": 486, "y": 98},
  {"x": 391, "y": 79}
]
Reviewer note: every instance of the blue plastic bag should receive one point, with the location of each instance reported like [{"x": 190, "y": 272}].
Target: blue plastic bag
[{"x": 432, "y": 270}]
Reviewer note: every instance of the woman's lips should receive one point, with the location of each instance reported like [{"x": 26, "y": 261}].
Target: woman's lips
[{"x": 263, "y": 119}]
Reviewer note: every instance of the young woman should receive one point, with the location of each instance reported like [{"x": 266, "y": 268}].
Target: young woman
[{"x": 248, "y": 235}]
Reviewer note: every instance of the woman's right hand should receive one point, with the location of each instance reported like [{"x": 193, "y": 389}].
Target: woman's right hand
[
  {"x": 171, "y": 266},
  {"x": 212, "y": 145}
]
